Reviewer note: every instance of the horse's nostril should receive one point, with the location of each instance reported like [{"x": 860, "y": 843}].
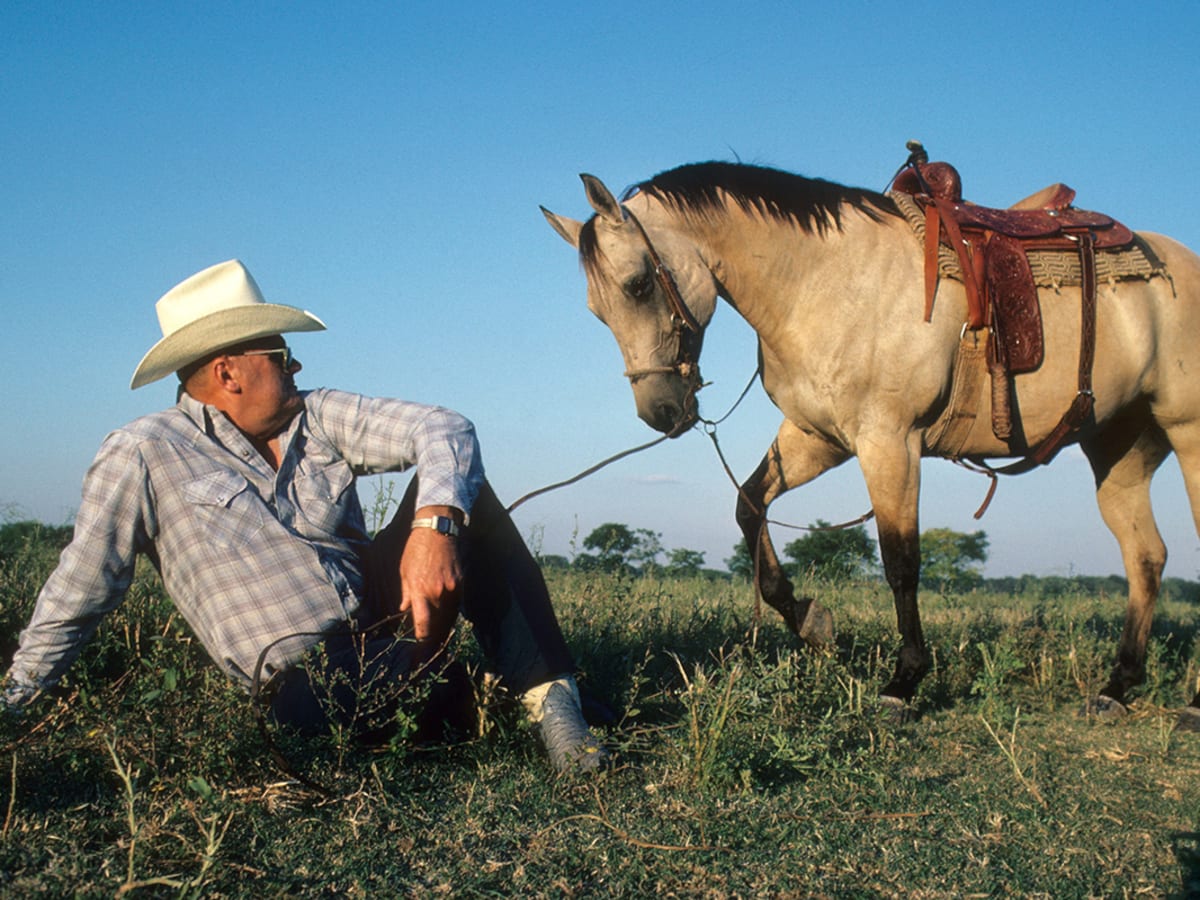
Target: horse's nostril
[
  {"x": 666, "y": 416},
  {"x": 660, "y": 416}
]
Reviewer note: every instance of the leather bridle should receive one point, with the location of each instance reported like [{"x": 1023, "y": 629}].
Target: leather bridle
[{"x": 687, "y": 331}]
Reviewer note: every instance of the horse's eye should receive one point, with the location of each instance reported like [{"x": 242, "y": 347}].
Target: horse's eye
[{"x": 639, "y": 287}]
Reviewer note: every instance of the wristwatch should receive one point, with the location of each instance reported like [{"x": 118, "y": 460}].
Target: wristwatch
[{"x": 440, "y": 524}]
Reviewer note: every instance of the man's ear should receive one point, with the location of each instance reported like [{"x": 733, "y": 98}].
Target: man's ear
[{"x": 224, "y": 372}]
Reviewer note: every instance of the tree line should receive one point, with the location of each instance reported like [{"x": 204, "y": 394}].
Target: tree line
[{"x": 951, "y": 562}]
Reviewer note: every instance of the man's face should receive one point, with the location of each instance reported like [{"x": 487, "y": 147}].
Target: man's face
[{"x": 270, "y": 399}]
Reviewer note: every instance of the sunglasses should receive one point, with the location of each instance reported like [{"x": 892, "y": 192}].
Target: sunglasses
[{"x": 285, "y": 355}]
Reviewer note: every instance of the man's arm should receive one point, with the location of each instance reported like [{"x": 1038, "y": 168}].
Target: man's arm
[
  {"x": 378, "y": 435},
  {"x": 93, "y": 572}
]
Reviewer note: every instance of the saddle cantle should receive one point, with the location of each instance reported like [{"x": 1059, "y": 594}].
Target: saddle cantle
[{"x": 991, "y": 246}]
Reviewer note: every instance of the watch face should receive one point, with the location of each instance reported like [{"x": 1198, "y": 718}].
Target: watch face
[{"x": 444, "y": 525}]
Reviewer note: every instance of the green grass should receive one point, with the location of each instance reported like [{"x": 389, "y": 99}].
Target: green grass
[{"x": 748, "y": 767}]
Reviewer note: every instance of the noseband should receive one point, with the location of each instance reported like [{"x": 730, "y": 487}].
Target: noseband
[{"x": 683, "y": 323}]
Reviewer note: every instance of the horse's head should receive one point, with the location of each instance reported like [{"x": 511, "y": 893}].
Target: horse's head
[{"x": 648, "y": 283}]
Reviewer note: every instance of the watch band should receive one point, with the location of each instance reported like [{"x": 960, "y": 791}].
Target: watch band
[{"x": 440, "y": 524}]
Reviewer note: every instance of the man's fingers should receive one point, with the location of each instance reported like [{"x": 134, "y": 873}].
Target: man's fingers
[{"x": 429, "y": 576}]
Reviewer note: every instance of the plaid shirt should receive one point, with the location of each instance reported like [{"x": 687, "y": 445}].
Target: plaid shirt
[{"x": 249, "y": 555}]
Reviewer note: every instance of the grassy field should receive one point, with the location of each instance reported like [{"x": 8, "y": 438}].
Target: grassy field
[{"x": 748, "y": 766}]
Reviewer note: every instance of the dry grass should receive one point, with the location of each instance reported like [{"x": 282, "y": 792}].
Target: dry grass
[{"x": 748, "y": 766}]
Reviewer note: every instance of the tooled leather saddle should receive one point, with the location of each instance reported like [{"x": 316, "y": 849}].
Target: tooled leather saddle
[{"x": 991, "y": 246}]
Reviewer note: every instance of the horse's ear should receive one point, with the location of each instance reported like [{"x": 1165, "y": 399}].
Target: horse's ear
[
  {"x": 602, "y": 200},
  {"x": 568, "y": 229}
]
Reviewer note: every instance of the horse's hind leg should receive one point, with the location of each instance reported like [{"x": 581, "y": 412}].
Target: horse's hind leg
[
  {"x": 795, "y": 457},
  {"x": 1185, "y": 441},
  {"x": 1124, "y": 457}
]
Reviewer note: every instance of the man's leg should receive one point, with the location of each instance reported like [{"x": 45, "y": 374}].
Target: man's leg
[
  {"x": 336, "y": 685},
  {"x": 505, "y": 598}
]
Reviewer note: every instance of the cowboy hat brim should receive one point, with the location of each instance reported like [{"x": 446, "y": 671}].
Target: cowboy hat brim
[{"x": 219, "y": 329}]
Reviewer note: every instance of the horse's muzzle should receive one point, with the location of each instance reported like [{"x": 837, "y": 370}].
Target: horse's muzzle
[
  {"x": 666, "y": 401},
  {"x": 668, "y": 418}
]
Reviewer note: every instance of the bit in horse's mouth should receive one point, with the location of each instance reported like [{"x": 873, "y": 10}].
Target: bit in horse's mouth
[{"x": 684, "y": 424}]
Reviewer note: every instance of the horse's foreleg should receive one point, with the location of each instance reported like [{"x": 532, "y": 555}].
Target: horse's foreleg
[
  {"x": 1124, "y": 458},
  {"x": 892, "y": 470},
  {"x": 795, "y": 457}
]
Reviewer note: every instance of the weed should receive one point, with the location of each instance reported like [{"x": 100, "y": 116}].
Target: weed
[
  {"x": 1009, "y": 750},
  {"x": 710, "y": 702},
  {"x": 383, "y": 504},
  {"x": 999, "y": 665}
]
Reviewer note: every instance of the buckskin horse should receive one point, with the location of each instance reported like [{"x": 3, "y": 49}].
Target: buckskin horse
[{"x": 882, "y": 319}]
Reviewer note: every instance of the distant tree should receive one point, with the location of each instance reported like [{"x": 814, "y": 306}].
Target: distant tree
[
  {"x": 645, "y": 551},
  {"x": 683, "y": 563},
  {"x": 587, "y": 562},
  {"x": 952, "y": 560},
  {"x": 741, "y": 564},
  {"x": 16, "y": 537},
  {"x": 552, "y": 562},
  {"x": 1181, "y": 589},
  {"x": 618, "y": 547},
  {"x": 831, "y": 552},
  {"x": 612, "y": 543}
]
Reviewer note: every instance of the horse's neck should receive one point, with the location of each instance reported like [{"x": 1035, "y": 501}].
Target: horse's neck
[{"x": 773, "y": 273}]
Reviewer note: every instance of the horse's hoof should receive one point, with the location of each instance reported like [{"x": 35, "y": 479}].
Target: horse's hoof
[
  {"x": 1189, "y": 719},
  {"x": 1106, "y": 709},
  {"x": 894, "y": 710},
  {"x": 817, "y": 628}
]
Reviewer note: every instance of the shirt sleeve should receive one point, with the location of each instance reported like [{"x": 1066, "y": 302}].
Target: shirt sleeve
[
  {"x": 94, "y": 571},
  {"x": 382, "y": 435}
]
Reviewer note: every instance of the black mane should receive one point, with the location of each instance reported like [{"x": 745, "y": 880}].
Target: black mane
[
  {"x": 702, "y": 189},
  {"x": 811, "y": 204}
]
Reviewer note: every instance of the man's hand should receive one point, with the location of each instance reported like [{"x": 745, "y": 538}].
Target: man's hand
[
  {"x": 430, "y": 575},
  {"x": 14, "y": 698}
]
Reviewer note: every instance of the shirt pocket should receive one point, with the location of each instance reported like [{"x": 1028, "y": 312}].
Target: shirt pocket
[
  {"x": 228, "y": 507},
  {"x": 327, "y": 506}
]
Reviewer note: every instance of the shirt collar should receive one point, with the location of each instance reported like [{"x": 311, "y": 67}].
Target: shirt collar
[
  {"x": 212, "y": 422},
  {"x": 198, "y": 412}
]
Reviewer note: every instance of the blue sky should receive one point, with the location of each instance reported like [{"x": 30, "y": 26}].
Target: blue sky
[{"x": 382, "y": 165}]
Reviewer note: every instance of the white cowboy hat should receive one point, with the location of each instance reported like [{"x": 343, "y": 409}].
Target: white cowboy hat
[{"x": 216, "y": 308}]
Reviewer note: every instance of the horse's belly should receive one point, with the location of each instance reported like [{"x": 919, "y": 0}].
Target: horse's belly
[{"x": 1125, "y": 370}]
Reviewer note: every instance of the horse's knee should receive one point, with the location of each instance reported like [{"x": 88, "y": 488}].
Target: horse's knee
[
  {"x": 901, "y": 554},
  {"x": 748, "y": 517}
]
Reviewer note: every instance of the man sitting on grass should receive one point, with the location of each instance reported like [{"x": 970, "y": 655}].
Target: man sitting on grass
[{"x": 243, "y": 496}]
